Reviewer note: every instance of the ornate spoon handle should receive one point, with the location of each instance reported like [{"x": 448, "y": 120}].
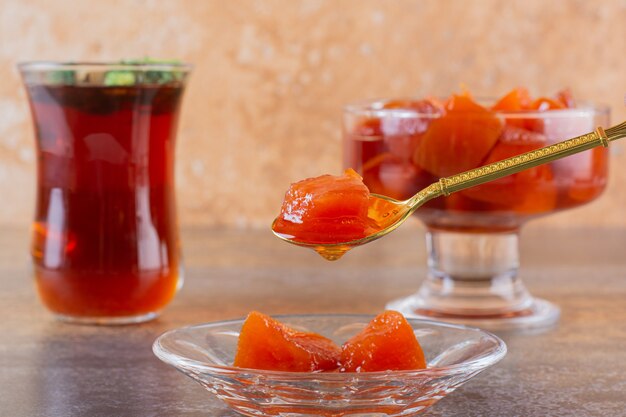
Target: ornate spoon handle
[{"x": 518, "y": 163}]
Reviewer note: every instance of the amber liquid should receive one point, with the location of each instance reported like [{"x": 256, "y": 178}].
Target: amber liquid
[{"x": 105, "y": 240}]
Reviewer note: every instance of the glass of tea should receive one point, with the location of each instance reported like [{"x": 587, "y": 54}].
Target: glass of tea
[
  {"x": 105, "y": 243},
  {"x": 402, "y": 146}
]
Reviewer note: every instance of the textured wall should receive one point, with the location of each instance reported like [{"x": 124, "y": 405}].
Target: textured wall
[{"x": 270, "y": 78}]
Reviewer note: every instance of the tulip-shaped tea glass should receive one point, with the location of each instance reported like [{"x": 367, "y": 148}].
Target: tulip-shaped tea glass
[
  {"x": 402, "y": 146},
  {"x": 105, "y": 240}
]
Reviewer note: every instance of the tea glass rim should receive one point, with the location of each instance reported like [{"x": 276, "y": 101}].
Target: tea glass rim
[
  {"x": 49, "y": 65},
  {"x": 374, "y": 108}
]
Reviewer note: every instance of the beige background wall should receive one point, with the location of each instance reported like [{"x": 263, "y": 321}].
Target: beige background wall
[{"x": 263, "y": 107}]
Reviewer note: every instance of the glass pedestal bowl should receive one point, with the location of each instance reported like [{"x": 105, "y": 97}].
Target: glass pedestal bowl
[
  {"x": 402, "y": 146},
  {"x": 453, "y": 353}
]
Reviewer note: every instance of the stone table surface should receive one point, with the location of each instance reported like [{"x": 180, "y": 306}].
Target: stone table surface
[{"x": 48, "y": 368}]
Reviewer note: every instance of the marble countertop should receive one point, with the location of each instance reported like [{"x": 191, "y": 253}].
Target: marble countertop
[{"x": 48, "y": 368}]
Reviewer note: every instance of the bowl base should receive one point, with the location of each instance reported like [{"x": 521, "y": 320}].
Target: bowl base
[{"x": 539, "y": 314}]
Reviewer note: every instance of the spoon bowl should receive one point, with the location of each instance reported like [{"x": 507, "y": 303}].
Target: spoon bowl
[{"x": 386, "y": 214}]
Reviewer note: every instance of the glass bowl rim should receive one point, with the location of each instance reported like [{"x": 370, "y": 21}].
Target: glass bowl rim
[
  {"x": 43, "y": 66},
  {"x": 475, "y": 364},
  {"x": 368, "y": 108}
]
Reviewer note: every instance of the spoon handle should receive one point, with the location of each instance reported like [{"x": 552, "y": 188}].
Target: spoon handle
[{"x": 530, "y": 159}]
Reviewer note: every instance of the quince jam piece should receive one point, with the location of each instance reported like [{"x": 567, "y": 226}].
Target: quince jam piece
[
  {"x": 519, "y": 99},
  {"x": 546, "y": 103},
  {"x": 515, "y": 100},
  {"x": 566, "y": 98},
  {"x": 325, "y": 209},
  {"x": 460, "y": 139},
  {"x": 529, "y": 191},
  {"x": 386, "y": 344},
  {"x": 265, "y": 343}
]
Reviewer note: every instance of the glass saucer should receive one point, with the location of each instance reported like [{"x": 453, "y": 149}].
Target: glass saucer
[{"x": 454, "y": 355}]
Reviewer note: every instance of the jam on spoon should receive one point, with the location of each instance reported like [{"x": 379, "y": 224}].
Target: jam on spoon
[{"x": 328, "y": 210}]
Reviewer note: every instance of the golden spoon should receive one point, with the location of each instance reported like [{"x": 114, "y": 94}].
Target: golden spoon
[{"x": 387, "y": 213}]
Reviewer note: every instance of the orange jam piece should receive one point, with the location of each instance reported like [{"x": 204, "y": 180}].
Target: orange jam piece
[
  {"x": 425, "y": 106},
  {"x": 386, "y": 344},
  {"x": 459, "y": 202},
  {"x": 325, "y": 209},
  {"x": 265, "y": 343},
  {"x": 587, "y": 187},
  {"x": 546, "y": 103},
  {"x": 369, "y": 127},
  {"x": 566, "y": 98},
  {"x": 515, "y": 100},
  {"x": 460, "y": 139},
  {"x": 529, "y": 191}
]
